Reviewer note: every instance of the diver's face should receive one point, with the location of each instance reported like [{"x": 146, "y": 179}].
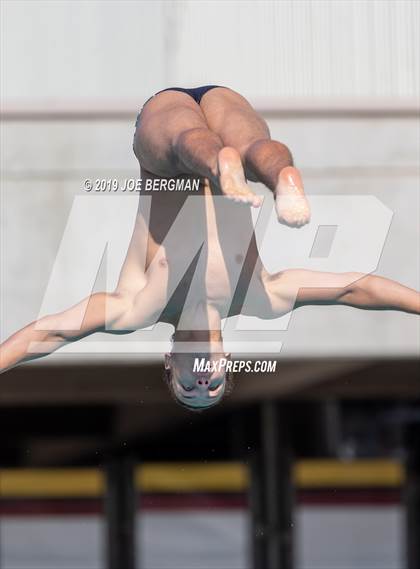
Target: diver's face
[{"x": 197, "y": 388}]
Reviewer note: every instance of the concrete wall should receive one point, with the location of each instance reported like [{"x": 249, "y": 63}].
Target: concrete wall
[
  {"x": 119, "y": 49},
  {"x": 336, "y": 537}
]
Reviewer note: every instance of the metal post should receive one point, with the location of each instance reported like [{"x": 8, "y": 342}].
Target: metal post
[
  {"x": 412, "y": 497},
  {"x": 278, "y": 488},
  {"x": 272, "y": 493},
  {"x": 332, "y": 427},
  {"x": 120, "y": 509},
  {"x": 257, "y": 511}
]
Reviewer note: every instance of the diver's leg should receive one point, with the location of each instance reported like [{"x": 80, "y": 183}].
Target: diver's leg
[
  {"x": 173, "y": 138},
  {"x": 265, "y": 160}
]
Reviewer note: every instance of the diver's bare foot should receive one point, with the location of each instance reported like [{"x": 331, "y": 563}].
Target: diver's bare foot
[
  {"x": 232, "y": 180},
  {"x": 291, "y": 204}
]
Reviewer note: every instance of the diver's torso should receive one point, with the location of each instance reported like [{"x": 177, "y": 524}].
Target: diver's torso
[{"x": 199, "y": 246}]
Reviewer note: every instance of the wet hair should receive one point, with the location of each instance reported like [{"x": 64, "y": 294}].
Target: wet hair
[{"x": 229, "y": 384}]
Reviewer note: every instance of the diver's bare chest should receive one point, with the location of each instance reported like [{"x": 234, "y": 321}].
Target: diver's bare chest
[{"x": 212, "y": 232}]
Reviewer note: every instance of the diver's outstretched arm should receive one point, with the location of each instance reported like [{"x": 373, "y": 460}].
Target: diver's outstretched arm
[
  {"x": 301, "y": 287},
  {"x": 99, "y": 312}
]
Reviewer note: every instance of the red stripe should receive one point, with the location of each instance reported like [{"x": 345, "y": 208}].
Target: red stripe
[
  {"x": 87, "y": 507},
  {"x": 193, "y": 501},
  {"x": 349, "y": 497},
  {"x": 48, "y": 507},
  {"x": 182, "y": 502}
]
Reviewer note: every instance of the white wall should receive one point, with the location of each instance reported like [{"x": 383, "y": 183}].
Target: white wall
[
  {"x": 352, "y": 537},
  {"x": 70, "y": 50},
  {"x": 304, "y": 48},
  {"x": 337, "y": 537},
  {"x": 129, "y": 49}
]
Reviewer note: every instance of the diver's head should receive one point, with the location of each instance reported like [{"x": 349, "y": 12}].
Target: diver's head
[{"x": 198, "y": 380}]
